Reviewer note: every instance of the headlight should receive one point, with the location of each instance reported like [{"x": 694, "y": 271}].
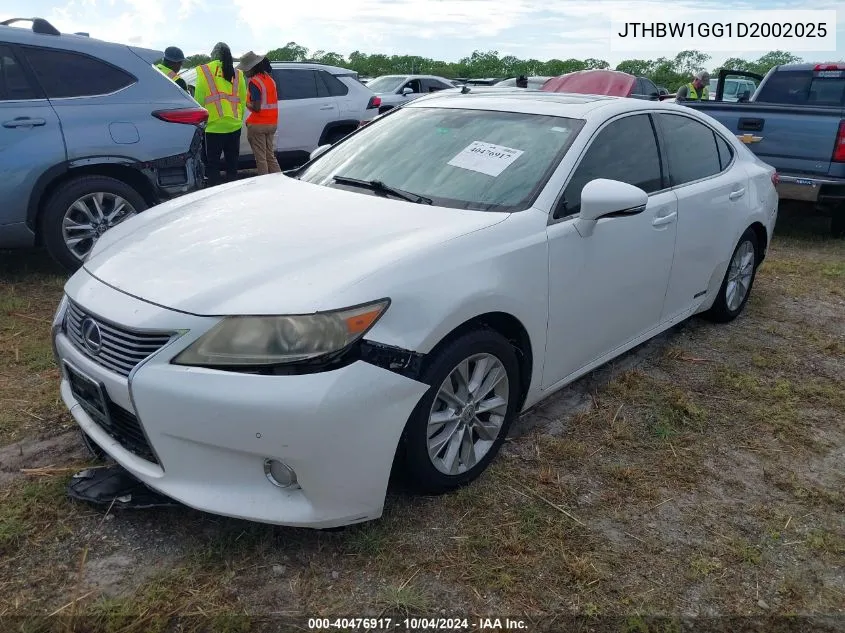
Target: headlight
[{"x": 257, "y": 341}]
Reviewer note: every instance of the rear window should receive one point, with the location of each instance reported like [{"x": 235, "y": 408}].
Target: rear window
[
  {"x": 295, "y": 84},
  {"x": 804, "y": 87},
  {"x": 63, "y": 74},
  {"x": 464, "y": 159}
]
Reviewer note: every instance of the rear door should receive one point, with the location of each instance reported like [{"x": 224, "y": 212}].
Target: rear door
[
  {"x": 305, "y": 108},
  {"x": 31, "y": 141},
  {"x": 712, "y": 193},
  {"x": 330, "y": 86}
]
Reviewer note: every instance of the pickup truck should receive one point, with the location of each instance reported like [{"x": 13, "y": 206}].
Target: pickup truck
[{"x": 794, "y": 121}]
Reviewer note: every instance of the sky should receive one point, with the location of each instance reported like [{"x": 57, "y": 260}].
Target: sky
[{"x": 441, "y": 29}]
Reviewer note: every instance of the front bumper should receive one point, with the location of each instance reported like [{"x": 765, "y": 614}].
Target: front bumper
[{"x": 211, "y": 431}]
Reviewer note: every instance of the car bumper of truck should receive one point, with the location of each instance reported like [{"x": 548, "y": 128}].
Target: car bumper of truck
[{"x": 810, "y": 188}]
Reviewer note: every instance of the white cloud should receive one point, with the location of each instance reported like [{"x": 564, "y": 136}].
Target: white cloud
[{"x": 443, "y": 29}]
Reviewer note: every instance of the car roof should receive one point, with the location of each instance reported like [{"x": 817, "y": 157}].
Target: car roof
[
  {"x": 562, "y": 104},
  {"x": 334, "y": 70},
  {"x": 79, "y": 42}
]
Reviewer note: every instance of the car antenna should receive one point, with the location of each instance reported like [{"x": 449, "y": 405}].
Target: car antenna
[{"x": 465, "y": 89}]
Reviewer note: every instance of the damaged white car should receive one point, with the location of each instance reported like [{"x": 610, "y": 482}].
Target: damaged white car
[{"x": 269, "y": 348}]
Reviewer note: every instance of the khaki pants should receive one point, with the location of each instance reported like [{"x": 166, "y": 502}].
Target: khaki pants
[{"x": 262, "y": 140}]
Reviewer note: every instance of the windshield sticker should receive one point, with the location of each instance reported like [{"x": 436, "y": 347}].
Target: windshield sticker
[
  {"x": 562, "y": 130},
  {"x": 486, "y": 158}
]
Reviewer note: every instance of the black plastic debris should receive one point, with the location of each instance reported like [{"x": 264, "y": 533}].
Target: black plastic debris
[{"x": 115, "y": 487}]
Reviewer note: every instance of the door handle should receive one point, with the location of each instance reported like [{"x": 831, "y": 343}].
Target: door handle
[
  {"x": 736, "y": 195},
  {"x": 24, "y": 121},
  {"x": 665, "y": 219},
  {"x": 750, "y": 125},
  {"x": 327, "y": 107}
]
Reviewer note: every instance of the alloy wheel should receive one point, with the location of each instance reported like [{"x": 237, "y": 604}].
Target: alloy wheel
[
  {"x": 739, "y": 275},
  {"x": 89, "y": 217},
  {"x": 467, "y": 414}
]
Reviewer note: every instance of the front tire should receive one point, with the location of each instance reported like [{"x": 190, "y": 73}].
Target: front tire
[
  {"x": 80, "y": 211},
  {"x": 459, "y": 425},
  {"x": 739, "y": 279}
]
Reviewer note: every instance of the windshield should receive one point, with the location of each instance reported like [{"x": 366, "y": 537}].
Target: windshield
[
  {"x": 464, "y": 159},
  {"x": 388, "y": 83}
]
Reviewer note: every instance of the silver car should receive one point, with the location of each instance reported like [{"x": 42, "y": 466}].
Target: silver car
[{"x": 394, "y": 90}]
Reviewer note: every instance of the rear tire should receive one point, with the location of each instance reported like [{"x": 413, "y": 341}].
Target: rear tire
[
  {"x": 452, "y": 437},
  {"x": 739, "y": 279},
  {"x": 64, "y": 215},
  {"x": 837, "y": 221}
]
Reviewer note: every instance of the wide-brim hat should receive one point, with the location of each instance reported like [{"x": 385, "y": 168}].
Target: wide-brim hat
[{"x": 250, "y": 61}]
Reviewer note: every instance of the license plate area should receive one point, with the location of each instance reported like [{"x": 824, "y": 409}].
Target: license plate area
[{"x": 89, "y": 393}]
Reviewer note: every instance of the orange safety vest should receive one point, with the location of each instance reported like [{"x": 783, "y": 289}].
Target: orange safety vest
[
  {"x": 216, "y": 97},
  {"x": 269, "y": 113}
]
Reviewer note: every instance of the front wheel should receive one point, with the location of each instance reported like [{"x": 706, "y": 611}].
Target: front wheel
[
  {"x": 739, "y": 278},
  {"x": 460, "y": 424}
]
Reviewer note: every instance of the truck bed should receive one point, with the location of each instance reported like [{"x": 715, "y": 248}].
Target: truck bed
[{"x": 794, "y": 140}]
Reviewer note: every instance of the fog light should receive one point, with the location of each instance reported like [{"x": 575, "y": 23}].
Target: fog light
[{"x": 279, "y": 474}]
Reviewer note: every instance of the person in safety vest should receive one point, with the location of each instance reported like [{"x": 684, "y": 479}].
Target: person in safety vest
[
  {"x": 172, "y": 64},
  {"x": 696, "y": 90},
  {"x": 263, "y": 118},
  {"x": 221, "y": 89}
]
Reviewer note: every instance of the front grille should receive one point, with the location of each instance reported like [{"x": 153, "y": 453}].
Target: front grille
[
  {"x": 122, "y": 349},
  {"x": 126, "y": 429}
]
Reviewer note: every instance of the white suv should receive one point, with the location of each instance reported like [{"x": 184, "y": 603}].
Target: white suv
[{"x": 318, "y": 105}]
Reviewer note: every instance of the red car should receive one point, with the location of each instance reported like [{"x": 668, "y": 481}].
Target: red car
[{"x": 604, "y": 82}]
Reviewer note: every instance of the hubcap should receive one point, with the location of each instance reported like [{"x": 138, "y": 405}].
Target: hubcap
[
  {"x": 739, "y": 275},
  {"x": 467, "y": 414},
  {"x": 89, "y": 217}
]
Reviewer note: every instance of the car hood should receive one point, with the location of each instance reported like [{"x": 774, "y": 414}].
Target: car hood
[{"x": 268, "y": 245}]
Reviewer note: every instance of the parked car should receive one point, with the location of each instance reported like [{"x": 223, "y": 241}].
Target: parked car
[
  {"x": 794, "y": 121},
  {"x": 273, "y": 365},
  {"x": 734, "y": 89},
  {"x": 534, "y": 83},
  {"x": 318, "y": 104},
  {"x": 91, "y": 134},
  {"x": 604, "y": 82},
  {"x": 394, "y": 90}
]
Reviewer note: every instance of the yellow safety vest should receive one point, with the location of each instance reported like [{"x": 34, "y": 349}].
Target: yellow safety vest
[
  {"x": 224, "y": 101},
  {"x": 693, "y": 94},
  {"x": 167, "y": 71}
]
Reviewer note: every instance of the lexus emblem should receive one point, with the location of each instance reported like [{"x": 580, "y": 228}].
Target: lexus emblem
[{"x": 91, "y": 335}]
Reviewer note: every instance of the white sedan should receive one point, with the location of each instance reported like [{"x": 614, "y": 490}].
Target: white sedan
[{"x": 267, "y": 348}]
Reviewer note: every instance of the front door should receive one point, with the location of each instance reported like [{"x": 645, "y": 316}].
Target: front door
[
  {"x": 608, "y": 289},
  {"x": 31, "y": 140}
]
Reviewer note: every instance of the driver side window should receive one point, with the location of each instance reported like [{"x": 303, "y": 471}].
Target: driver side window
[
  {"x": 414, "y": 85},
  {"x": 626, "y": 150}
]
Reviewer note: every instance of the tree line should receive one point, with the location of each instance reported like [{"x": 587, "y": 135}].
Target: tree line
[{"x": 669, "y": 72}]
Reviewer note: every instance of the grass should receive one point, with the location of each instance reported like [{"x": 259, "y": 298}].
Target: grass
[
  {"x": 707, "y": 477},
  {"x": 30, "y": 290}
]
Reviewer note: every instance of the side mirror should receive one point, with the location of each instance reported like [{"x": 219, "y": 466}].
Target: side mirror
[
  {"x": 407, "y": 91},
  {"x": 601, "y": 198},
  {"x": 319, "y": 151}
]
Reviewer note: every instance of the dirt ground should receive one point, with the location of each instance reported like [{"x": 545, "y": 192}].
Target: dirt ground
[{"x": 699, "y": 477}]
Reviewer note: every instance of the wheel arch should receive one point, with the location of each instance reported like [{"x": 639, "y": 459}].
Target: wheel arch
[
  {"x": 54, "y": 178},
  {"x": 508, "y": 326},
  {"x": 762, "y": 240},
  {"x": 347, "y": 124}
]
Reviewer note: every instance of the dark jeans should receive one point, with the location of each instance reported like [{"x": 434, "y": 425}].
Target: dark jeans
[{"x": 229, "y": 145}]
